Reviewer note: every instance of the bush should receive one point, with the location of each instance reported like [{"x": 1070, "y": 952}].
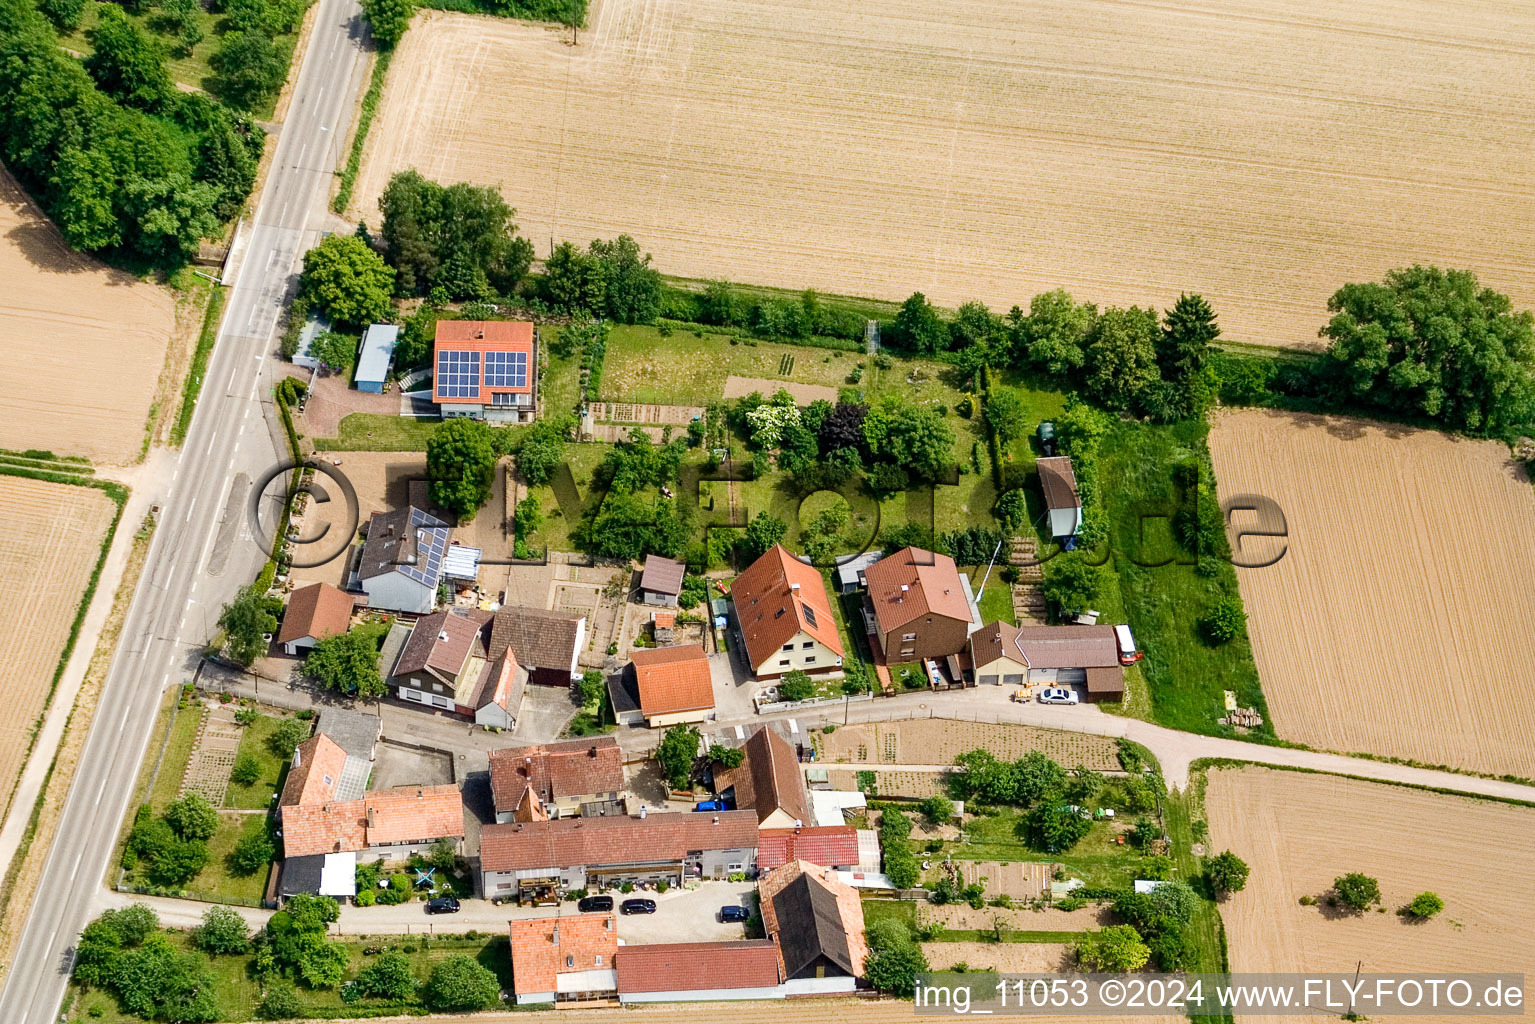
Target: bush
[
  {"x": 937, "y": 809},
  {"x": 1117, "y": 948},
  {"x": 1225, "y": 621},
  {"x": 280, "y": 1003},
  {"x": 252, "y": 852},
  {"x": 223, "y": 932},
  {"x": 796, "y": 685},
  {"x": 366, "y": 897},
  {"x": 1226, "y": 873},
  {"x": 1424, "y": 906},
  {"x": 290, "y": 732},
  {"x": 1356, "y": 891},
  {"x": 388, "y": 977},
  {"x": 894, "y": 960},
  {"x": 247, "y": 770},
  {"x": 459, "y": 984}
]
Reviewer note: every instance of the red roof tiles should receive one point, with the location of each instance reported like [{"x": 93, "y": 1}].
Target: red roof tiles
[
  {"x": 697, "y": 966},
  {"x": 316, "y": 611},
  {"x": 776, "y": 598},
  {"x": 569, "y": 769},
  {"x": 604, "y": 842},
  {"x": 826, "y": 845},
  {"x": 912, "y": 583},
  {"x": 673, "y": 679},
  {"x": 543, "y": 948}
]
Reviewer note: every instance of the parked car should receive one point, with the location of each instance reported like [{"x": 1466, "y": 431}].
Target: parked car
[
  {"x": 442, "y": 905},
  {"x": 1057, "y": 695},
  {"x": 734, "y": 914},
  {"x": 637, "y": 906},
  {"x": 1128, "y": 654},
  {"x": 711, "y": 805},
  {"x": 1047, "y": 438},
  {"x": 595, "y": 905}
]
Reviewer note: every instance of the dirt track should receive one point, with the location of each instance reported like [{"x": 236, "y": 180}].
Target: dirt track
[
  {"x": 49, "y": 543},
  {"x": 84, "y": 343},
  {"x": 1299, "y": 832},
  {"x": 1394, "y": 624},
  {"x": 1262, "y": 152}
]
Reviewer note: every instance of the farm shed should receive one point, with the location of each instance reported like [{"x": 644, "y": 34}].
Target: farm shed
[{"x": 661, "y": 581}]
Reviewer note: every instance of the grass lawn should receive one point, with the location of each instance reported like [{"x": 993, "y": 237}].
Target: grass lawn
[
  {"x": 239, "y": 993},
  {"x": 1095, "y": 860},
  {"x": 562, "y": 378},
  {"x": 976, "y": 935},
  {"x": 564, "y": 498},
  {"x": 253, "y": 741},
  {"x": 642, "y": 365},
  {"x": 373, "y": 432},
  {"x": 215, "y": 882},
  {"x": 996, "y": 601},
  {"x": 1185, "y": 676},
  {"x": 178, "y": 750},
  {"x": 191, "y": 69},
  {"x": 904, "y": 911}
]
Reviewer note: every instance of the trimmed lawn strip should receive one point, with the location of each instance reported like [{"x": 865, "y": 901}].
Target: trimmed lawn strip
[
  {"x": 253, "y": 741},
  {"x": 192, "y": 387},
  {"x": 690, "y": 367},
  {"x": 173, "y": 764},
  {"x": 1095, "y": 860},
  {"x": 996, "y": 601},
  {"x": 365, "y": 114},
  {"x": 904, "y": 911},
  {"x": 373, "y": 432}
]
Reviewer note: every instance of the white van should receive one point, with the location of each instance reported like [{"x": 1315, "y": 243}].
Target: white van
[{"x": 1128, "y": 655}]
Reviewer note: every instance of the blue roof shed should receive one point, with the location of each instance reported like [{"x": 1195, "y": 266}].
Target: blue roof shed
[{"x": 377, "y": 352}]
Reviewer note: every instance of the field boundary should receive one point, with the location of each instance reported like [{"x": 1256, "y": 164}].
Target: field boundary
[
  {"x": 1201, "y": 765},
  {"x": 365, "y": 111},
  {"x": 197, "y": 368}
]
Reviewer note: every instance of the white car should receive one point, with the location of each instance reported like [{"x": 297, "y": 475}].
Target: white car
[{"x": 1057, "y": 695}]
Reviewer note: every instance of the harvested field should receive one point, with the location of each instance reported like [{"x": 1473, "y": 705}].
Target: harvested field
[
  {"x": 1255, "y": 152},
  {"x": 48, "y": 550},
  {"x": 1006, "y": 957},
  {"x": 777, "y": 1011},
  {"x": 933, "y": 741},
  {"x": 93, "y": 339},
  {"x": 1299, "y": 832},
  {"x": 1407, "y": 575}
]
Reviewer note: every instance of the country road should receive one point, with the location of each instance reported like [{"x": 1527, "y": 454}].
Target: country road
[{"x": 178, "y": 599}]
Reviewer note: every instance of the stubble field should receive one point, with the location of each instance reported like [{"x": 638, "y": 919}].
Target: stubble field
[
  {"x": 1299, "y": 832},
  {"x": 86, "y": 343},
  {"x": 1262, "y": 152},
  {"x": 1393, "y": 623},
  {"x": 49, "y": 543}
]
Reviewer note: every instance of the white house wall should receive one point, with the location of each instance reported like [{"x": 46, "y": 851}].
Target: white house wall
[
  {"x": 819, "y": 986},
  {"x": 824, "y": 658},
  {"x": 703, "y": 995}
]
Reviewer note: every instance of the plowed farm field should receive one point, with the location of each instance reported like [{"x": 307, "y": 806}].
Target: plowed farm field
[
  {"x": 1299, "y": 832},
  {"x": 1262, "y": 152},
  {"x": 85, "y": 343},
  {"x": 50, "y": 540},
  {"x": 1395, "y": 622}
]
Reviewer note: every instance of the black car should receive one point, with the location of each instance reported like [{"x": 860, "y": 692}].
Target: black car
[
  {"x": 595, "y": 904},
  {"x": 442, "y": 905},
  {"x": 637, "y": 906},
  {"x": 734, "y": 914}
]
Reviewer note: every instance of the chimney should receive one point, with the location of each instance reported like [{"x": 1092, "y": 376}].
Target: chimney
[
  {"x": 716, "y": 819},
  {"x": 642, "y": 812},
  {"x": 794, "y": 586},
  {"x": 370, "y": 816},
  {"x": 298, "y": 756},
  {"x": 798, "y": 824},
  {"x": 556, "y": 933}
]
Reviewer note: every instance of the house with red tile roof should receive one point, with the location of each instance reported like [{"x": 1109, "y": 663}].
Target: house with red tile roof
[
  {"x": 316, "y": 773},
  {"x": 768, "y": 781},
  {"x": 573, "y": 778},
  {"x": 314, "y": 613},
  {"x": 918, "y": 606},
  {"x": 387, "y": 823},
  {"x": 677, "y": 972},
  {"x": 785, "y": 618},
  {"x": 536, "y": 861},
  {"x": 564, "y": 959},
  {"x": 486, "y": 369},
  {"x": 1080, "y": 656},
  {"x": 817, "y": 923},
  {"x": 831, "y": 846},
  {"x": 674, "y": 684}
]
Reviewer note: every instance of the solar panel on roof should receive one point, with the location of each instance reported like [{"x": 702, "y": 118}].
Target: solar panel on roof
[
  {"x": 458, "y": 375},
  {"x": 506, "y": 369}
]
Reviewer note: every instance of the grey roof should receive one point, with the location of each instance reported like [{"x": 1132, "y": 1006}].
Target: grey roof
[
  {"x": 810, "y": 926},
  {"x": 301, "y": 875},
  {"x": 1059, "y": 482},
  {"x": 407, "y": 541},
  {"x": 662, "y": 575},
  {"x": 377, "y": 351},
  {"x": 847, "y": 572},
  {"x": 353, "y": 731}
]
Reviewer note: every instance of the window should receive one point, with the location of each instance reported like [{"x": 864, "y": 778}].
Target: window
[
  {"x": 782, "y": 662},
  {"x": 436, "y": 687},
  {"x": 733, "y": 867},
  {"x": 809, "y": 615},
  {"x": 908, "y": 636},
  {"x": 807, "y": 645},
  {"x": 810, "y": 659},
  {"x": 570, "y": 961},
  {"x": 413, "y": 695},
  {"x": 329, "y": 781},
  {"x": 788, "y": 647},
  {"x": 599, "y": 960},
  {"x": 907, "y": 652}
]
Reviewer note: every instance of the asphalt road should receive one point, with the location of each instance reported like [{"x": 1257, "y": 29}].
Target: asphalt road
[{"x": 178, "y": 599}]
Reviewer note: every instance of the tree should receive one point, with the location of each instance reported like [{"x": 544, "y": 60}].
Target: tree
[
  {"x": 179, "y": 863},
  {"x": 1225, "y": 874},
  {"x": 460, "y": 984},
  {"x": 726, "y": 757},
  {"x": 247, "y": 769},
  {"x": 347, "y": 663},
  {"x": 1356, "y": 891},
  {"x": 568, "y": 280},
  {"x": 1036, "y": 777},
  {"x": 1117, "y": 948},
  {"x": 593, "y": 689},
  {"x": 223, "y": 932},
  {"x": 542, "y": 450},
  {"x": 1054, "y": 829},
  {"x": 388, "y": 20},
  {"x": 281, "y": 1002},
  {"x": 127, "y": 62},
  {"x": 795, "y": 685},
  {"x": 1054, "y": 334},
  {"x": 937, "y": 809},
  {"x": 336, "y": 350},
  {"x": 321, "y": 962},
  {"x": 1121, "y": 357},
  {"x": 461, "y": 238},
  {"x": 843, "y": 428},
  {"x": 909, "y": 436},
  {"x": 632, "y": 288},
  {"x": 348, "y": 280},
  {"x": 65, "y": 14},
  {"x": 252, "y": 852},
  {"x": 388, "y": 976},
  {"x": 461, "y": 462},
  {"x": 1012, "y": 509},
  {"x": 675, "y": 755},
  {"x": 917, "y": 326},
  {"x": 159, "y": 982},
  {"x": 1424, "y": 906},
  {"x": 973, "y": 331},
  {"x": 248, "y": 69},
  {"x": 1071, "y": 585},
  {"x": 290, "y": 732},
  {"x": 1225, "y": 620},
  {"x": 1006, "y": 414},
  {"x": 762, "y": 533},
  {"x": 1434, "y": 343},
  {"x": 192, "y": 817},
  {"x": 894, "y": 960},
  {"x": 246, "y": 622},
  {"x": 1187, "y": 331}
]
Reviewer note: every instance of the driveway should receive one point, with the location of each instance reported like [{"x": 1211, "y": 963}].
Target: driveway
[
  {"x": 686, "y": 915},
  {"x": 733, "y": 687}
]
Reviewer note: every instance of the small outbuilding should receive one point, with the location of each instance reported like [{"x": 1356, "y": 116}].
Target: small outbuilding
[
  {"x": 375, "y": 358},
  {"x": 1058, "y": 481},
  {"x": 661, "y": 581}
]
